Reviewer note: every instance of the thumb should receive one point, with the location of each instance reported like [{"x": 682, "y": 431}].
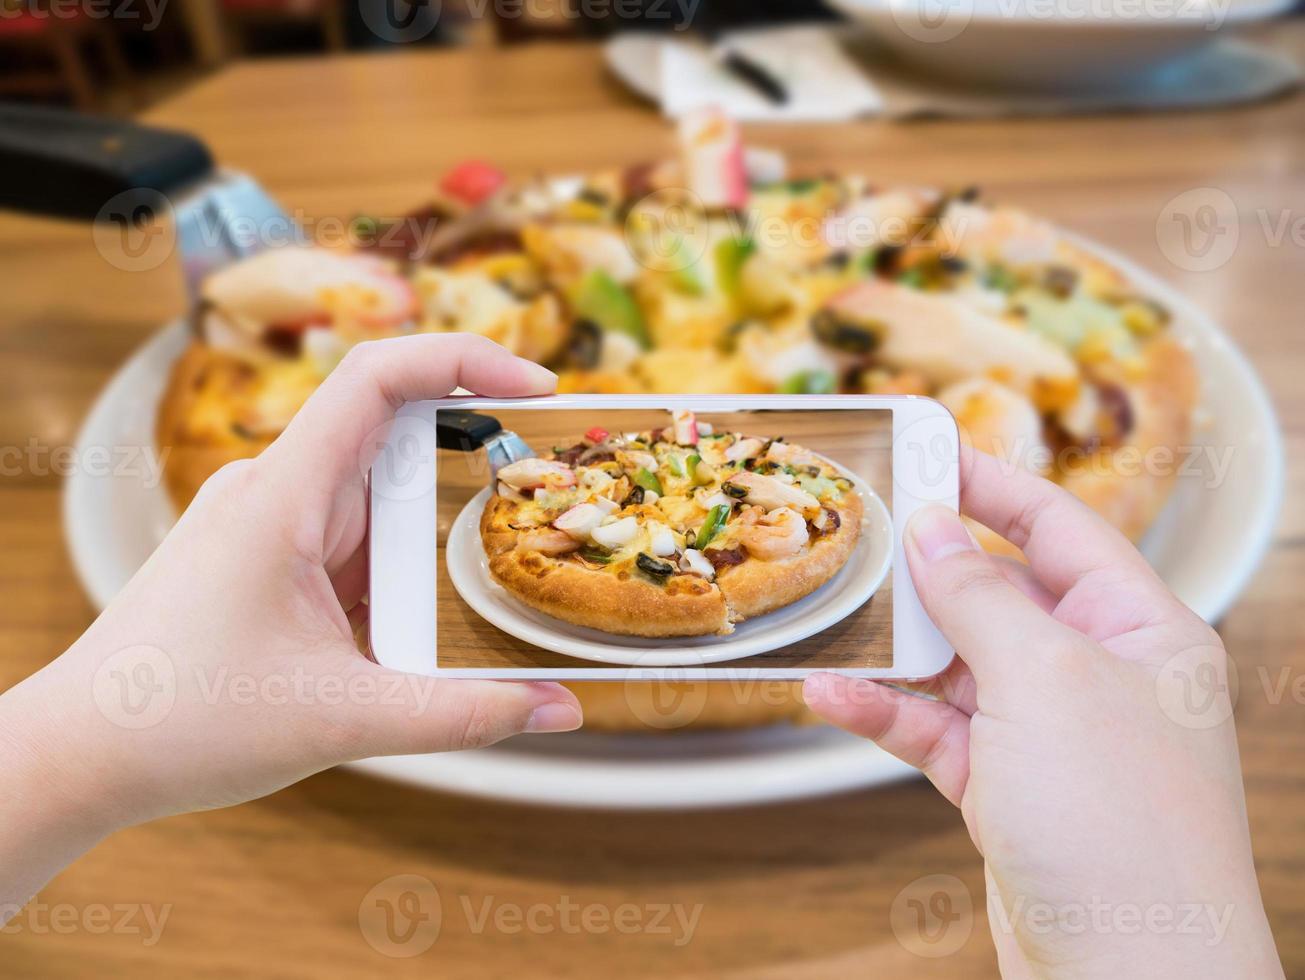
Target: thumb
[
  {"x": 994, "y": 627},
  {"x": 416, "y": 713}
]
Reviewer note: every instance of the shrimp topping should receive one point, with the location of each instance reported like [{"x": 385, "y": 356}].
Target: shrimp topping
[
  {"x": 779, "y": 534},
  {"x": 770, "y": 493},
  {"x": 526, "y": 474},
  {"x": 547, "y": 541}
]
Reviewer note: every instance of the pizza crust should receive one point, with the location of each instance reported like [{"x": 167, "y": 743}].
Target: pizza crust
[
  {"x": 1120, "y": 484},
  {"x": 758, "y": 587},
  {"x": 188, "y": 461},
  {"x": 685, "y": 606}
]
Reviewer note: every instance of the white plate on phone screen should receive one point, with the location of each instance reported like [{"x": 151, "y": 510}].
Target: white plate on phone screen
[
  {"x": 112, "y": 524},
  {"x": 837, "y": 599}
]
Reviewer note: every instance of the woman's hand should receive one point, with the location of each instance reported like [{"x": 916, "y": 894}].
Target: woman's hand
[
  {"x": 227, "y": 667},
  {"x": 1085, "y": 732}
]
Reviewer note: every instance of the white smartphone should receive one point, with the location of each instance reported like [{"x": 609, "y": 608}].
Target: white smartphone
[{"x": 615, "y": 517}]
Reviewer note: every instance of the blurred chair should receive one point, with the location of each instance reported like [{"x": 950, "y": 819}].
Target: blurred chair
[
  {"x": 558, "y": 19},
  {"x": 54, "y": 48},
  {"x": 243, "y": 16}
]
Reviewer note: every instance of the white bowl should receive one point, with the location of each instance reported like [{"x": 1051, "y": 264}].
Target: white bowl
[{"x": 1052, "y": 44}]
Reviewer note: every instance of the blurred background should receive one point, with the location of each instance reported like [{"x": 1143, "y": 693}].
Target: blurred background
[
  {"x": 1171, "y": 132},
  {"x": 122, "y": 60}
]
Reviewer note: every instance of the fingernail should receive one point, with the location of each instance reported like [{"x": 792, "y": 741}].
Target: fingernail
[
  {"x": 938, "y": 532},
  {"x": 538, "y": 376},
  {"x": 556, "y": 716}
]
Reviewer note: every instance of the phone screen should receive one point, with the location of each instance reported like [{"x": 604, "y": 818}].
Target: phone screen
[{"x": 611, "y": 538}]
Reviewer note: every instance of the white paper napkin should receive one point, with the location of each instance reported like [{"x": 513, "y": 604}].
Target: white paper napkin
[{"x": 822, "y": 82}]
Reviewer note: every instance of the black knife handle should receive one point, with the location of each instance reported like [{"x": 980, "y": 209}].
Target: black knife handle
[
  {"x": 69, "y": 165},
  {"x": 464, "y": 431}
]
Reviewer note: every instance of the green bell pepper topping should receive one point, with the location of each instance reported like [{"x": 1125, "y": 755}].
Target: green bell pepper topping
[
  {"x": 648, "y": 480},
  {"x": 712, "y": 525},
  {"x": 603, "y": 300},
  {"x": 914, "y": 278},
  {"x": 730, "y": 255},
  {"x": 808, "y": 383},
  {"x": 691, "y": 465}
]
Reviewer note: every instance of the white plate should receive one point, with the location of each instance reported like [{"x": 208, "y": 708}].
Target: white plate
[
  {"x": 834, "y": 601},
  {"x": 1206, "y": 545},
  {"x": 1052, "y": 44}
]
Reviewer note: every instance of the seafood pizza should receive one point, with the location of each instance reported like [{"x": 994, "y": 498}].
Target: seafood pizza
[
  {"x": 717, "y": 271},
  {"x": 681, "y": 531}
]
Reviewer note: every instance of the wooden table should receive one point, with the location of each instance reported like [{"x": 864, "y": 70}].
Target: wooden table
[{"x": 801, "y": 890}]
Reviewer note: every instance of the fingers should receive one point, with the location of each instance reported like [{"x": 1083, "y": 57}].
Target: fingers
[
  {"x": 955, "y": 686},
  {"x": 350, "y": 579},
  {"x": 413, "y": 713},
  {"x": 932, "y": 736},
  {"x": 1021, "y": 576},
  {"x": 376, "y": 378},
  {"x": 1063, "y": 538},
  {"x": 990, "y": 622}
]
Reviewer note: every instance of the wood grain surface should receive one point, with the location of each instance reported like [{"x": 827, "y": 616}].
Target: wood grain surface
[
  {"x": 802, "y": 890},
  {"x": 858, "y": 441}
]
